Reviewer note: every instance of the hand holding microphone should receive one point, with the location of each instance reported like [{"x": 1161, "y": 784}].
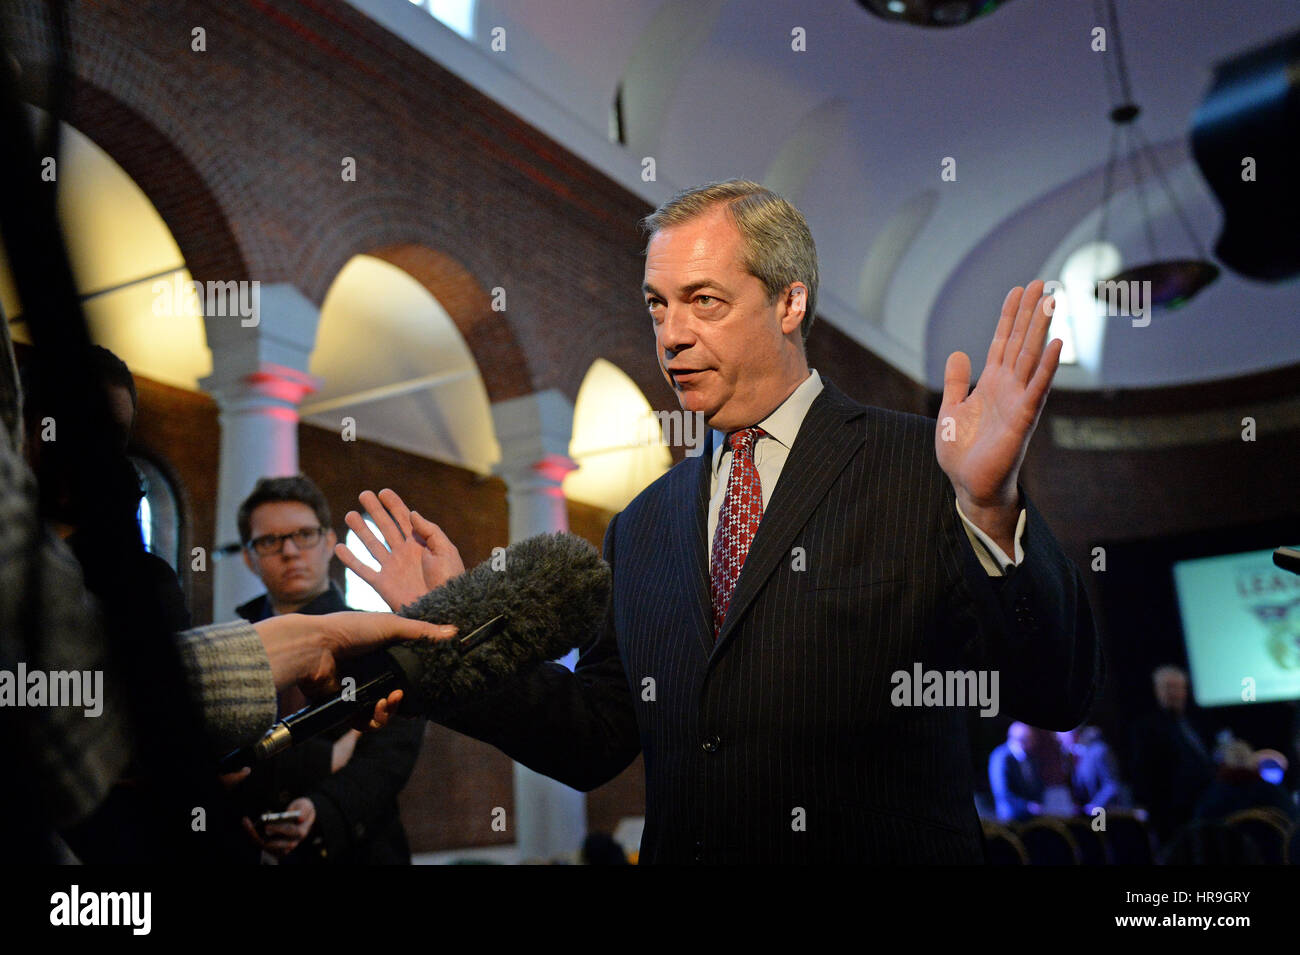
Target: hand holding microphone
[
  {"x": 534, "y": 602},
  {"x": 304, "y": 650}
]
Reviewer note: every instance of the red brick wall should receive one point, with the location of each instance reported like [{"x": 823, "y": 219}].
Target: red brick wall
[{"x": 240, "y": 148}]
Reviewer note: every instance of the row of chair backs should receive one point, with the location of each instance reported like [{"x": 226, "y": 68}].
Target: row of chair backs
[
  {"x": 1253, "y": 836},
  {"x": 1052, "y": 840}
]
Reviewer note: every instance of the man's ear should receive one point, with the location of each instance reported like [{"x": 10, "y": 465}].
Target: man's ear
[
  {"x": 794, "y": 306},
  {"x": 330, "y": 539},
  {"x": 248, "y": 562}
]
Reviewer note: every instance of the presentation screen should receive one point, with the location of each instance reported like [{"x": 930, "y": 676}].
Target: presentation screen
[{"x": 1241, "y": 623}]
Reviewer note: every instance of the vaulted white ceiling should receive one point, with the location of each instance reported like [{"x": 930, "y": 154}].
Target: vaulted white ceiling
[{"x": 854, "y": 130}]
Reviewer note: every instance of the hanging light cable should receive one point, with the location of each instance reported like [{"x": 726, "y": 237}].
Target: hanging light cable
[{"x": 1172, "y": 281}]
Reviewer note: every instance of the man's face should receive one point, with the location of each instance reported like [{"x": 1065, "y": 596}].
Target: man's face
[
  {"x": 722, "y": 346},
  {"x": 1171, "y": 691},
  {"x": 122, "y": 410},
  {"x": 294, "y": 575}
]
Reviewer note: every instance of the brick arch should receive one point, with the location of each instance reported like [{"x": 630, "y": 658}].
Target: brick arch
[
  {"x": 380, "y": 226},
  {"x": 489, "y": 336},
  {"x": 191, "y": 210},
  {"x": 132, "y": 133}
]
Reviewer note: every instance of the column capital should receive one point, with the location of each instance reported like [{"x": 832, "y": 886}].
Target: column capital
[
  {"x": 545, "y": 475},
  {"x": 278, "y": 341},
  {"x": 266, "y": 387},
  {"x": 534, "y": 432}
]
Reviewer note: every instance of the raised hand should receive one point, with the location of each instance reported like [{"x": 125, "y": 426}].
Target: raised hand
[
  {"x": 414, "y": 555},
  {"x": 980, "y": 439}
]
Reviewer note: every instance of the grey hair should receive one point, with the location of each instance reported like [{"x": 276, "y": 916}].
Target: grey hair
[{"x": 777, "y": 245}]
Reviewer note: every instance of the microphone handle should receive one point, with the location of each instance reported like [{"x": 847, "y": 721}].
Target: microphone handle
[
  {"x": 314, "y": 719},
  {"x": 311, "y": 720},
  {"x": 397, "y": 667}
]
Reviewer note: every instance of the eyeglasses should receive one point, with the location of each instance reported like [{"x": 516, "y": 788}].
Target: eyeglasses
[{"x": 303, "y": 538}]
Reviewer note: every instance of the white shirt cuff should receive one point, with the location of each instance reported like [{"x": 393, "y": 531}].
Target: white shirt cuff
[{"x": 991, "y": 556}]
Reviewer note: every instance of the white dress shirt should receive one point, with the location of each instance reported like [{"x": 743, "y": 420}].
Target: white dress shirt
[{"x": 771, "y": 451}]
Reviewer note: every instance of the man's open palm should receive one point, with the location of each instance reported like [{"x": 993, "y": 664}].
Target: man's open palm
[
  {"x": 981, "y": 438},
  {"x": 413, "y": 553}
]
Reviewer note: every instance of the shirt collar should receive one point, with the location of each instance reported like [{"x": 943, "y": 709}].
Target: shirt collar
[
  {"x": 330, "y": 601},
  {"x": 783, "y": 424}
]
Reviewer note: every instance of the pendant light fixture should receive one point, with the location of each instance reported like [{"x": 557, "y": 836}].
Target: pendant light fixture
[{"x": 1174, "y": 281}]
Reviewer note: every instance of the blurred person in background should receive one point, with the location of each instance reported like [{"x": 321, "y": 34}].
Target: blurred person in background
[
  {"x": 1172, "y": 764},
  {"x": 1095, "y": 777},
  {"x": 1238, "y": 785},
  {"x": 343, "y": 786},
  {"x": 1014, "y": 777},
  {"x": 41, "y": 426}
]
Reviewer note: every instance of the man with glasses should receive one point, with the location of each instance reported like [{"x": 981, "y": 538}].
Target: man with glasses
[
  {"x": 343, "y": 785},
  {"x": 288, "y": 543}
]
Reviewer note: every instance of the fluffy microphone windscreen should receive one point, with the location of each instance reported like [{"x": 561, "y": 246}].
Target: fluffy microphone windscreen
[{"x": 552, "y": 591}]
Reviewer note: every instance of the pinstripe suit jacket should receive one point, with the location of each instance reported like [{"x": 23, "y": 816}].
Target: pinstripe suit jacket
[{"x": 780, "y": 743}]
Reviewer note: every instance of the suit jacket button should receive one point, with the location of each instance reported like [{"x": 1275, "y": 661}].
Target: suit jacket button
[
  {"x": 699, "y": 852},
  {"x": 710, "y": 744}
]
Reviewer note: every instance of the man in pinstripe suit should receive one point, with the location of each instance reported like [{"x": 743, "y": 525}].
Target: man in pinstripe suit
[{"x": 768, "y": 593}]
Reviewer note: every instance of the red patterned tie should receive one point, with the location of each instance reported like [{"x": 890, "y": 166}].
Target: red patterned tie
[{"x": 738, "y": 519}]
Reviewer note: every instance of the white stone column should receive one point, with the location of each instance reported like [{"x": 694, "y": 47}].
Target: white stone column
[
  {"x": 259, "y": 377},
  {"x": 534, "y": 433}
]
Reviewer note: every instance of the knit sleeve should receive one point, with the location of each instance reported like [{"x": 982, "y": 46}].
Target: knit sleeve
[{"x": 230, "y": 677}]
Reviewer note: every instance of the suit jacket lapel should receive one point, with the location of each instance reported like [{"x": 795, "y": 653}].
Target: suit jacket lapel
[
  {"x": 822, "y": 448},
  {"x": 690, "y": 539}
]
